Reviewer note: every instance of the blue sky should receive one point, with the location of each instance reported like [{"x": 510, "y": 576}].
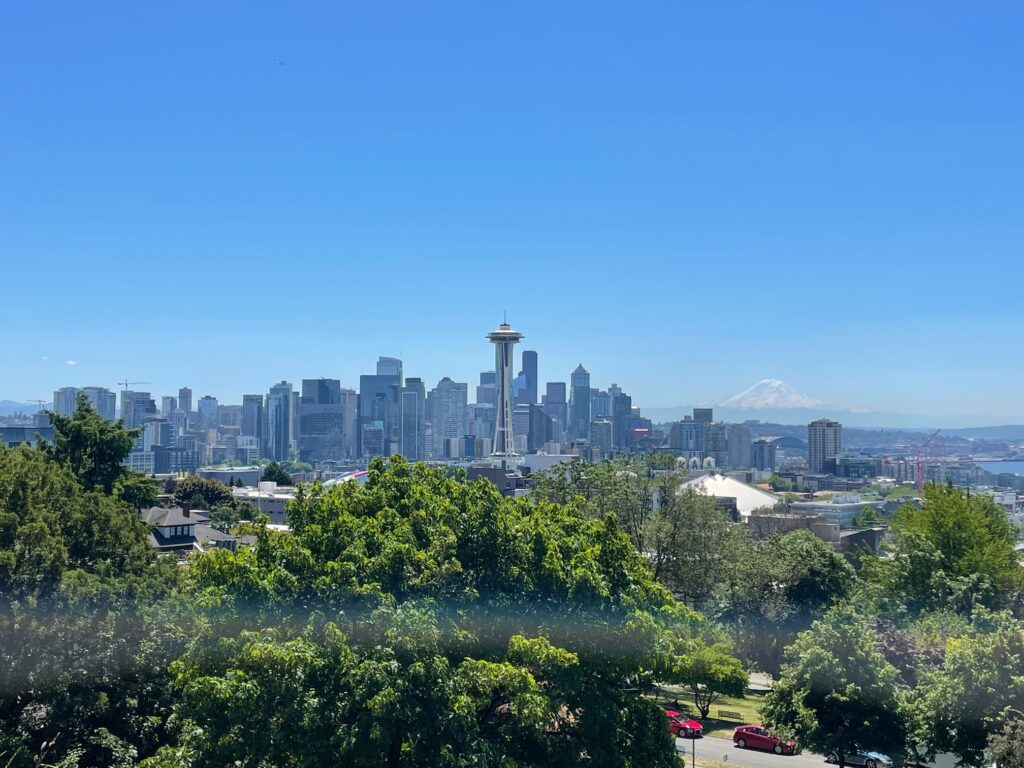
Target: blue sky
[{"x": 686, "y": 197}]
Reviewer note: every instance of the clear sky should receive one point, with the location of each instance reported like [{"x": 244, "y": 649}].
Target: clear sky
[{"x": 686, "y": 197}]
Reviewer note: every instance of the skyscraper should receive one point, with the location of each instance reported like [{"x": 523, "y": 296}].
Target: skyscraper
[
  {"x": 449, "y": 413},
  {"x": 504, "y": 339},
  {"x": 253, "y": 420},
  {"x": 824, "y": 441},
  {"x": 763, "y": 454},
  {"x": 739, "y": 446},
  {"x": 168, "y": 405},
  {"x": 412, "y": 420},
  {"x": 579, "y": 404},
  {"x": 378, "y": 409},
  {"x": 600, "y": 439},
  {"x": 350, "y": 422},
  {"x": 556, "y": 407},
  {"x": 487, "y": 390},
  {"x": 705, "y": 415},
  {"x": 65, "y": 400},
  {"x": 279, "y": 421},
  {"x": 622, "y": 418},
  {"x": 185, "y": 400},
  {"x": 103, "y": 401},
  {"x": 137, "y": 408},
  {"x": 528, "y": 390},
  {"x": 207, "y": 409},
  {"x": 320, "y": 420},
  {"x": 716, "y": 443}
]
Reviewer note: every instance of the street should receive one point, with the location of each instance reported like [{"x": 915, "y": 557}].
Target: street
[{"x": 723, "y": 750}]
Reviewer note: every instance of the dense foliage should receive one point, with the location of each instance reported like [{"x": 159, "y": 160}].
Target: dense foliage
[{"x": 423, "y": 620}]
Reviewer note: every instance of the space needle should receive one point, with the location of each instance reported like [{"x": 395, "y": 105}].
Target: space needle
[{"x": 504, "y": 338}]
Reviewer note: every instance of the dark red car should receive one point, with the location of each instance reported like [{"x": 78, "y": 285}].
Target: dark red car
[
  {"x": 758, "y": 737},
  {"x": 683, "y": 726}
]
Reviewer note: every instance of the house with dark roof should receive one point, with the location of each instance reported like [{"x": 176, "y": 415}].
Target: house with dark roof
[{"x": 180, "y": 530}]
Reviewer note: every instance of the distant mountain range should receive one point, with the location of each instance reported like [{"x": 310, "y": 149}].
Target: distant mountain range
[
  {"x": 772, "y": 400},
  {"x": 10, "y": 407}
]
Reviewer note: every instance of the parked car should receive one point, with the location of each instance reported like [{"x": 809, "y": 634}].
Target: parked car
[
  {"x": 866, "y": 759},
  {"x": 758, "y": 737},
  {"x": 683, "y": 726}
]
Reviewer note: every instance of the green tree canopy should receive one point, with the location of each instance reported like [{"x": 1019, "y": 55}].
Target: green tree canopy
[
  {"x": 202, "y": 493},
  {"x": 954, "y": 550},
  {"x": 275, "y": 473},
  {"x": 837, "y": 694}
]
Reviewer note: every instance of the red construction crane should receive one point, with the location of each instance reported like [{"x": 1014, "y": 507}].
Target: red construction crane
[{"x": 922, "y": 454}]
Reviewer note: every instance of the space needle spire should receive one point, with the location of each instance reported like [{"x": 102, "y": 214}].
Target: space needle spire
[{"x": 504, "y": 338}]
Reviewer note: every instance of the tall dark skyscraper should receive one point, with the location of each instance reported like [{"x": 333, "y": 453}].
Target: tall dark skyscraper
[
  {"x": 279, "y": 421},
  {"x": 321, "y": 420},
  {"x": 579, "y": 404},
  {"x": 557, "y": 409},
  {"x": 528, "y": 392},
  {"x": 621, "y": 418},
  {"x": 185, "y": 399},
  {"x": 253, "y": 419},
  {"x": 379, "y": 410},
  {"x": 137, "y": 408},
  {"x": 412, "y": 422}
]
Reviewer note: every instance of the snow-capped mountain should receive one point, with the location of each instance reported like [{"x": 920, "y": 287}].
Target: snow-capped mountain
[{"x": 771, "y": 393}]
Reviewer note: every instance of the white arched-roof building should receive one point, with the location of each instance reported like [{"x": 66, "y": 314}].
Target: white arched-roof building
[{"x": 748, "y": 498}]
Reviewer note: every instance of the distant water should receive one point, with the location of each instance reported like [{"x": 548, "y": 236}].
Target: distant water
[{"x": 995, "y": 467}]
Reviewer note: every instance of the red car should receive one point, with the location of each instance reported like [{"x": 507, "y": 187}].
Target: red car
[
  {"x": 758, "y": 737},
  {"x": 682, "y": 726}
]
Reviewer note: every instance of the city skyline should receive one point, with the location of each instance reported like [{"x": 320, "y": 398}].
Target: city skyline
[{"x": 837, "y": 220}]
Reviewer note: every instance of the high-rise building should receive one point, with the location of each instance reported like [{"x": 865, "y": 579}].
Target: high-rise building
[
  {"x": 168, "y": 405},
  {"x": 541, "y": 429},
  {"x": 481, "y": 421},
  {"x": 705, "y": 415},
  {"x": 185, "y": 400},
  {"x": 321, "y": 421},
  {"x": 137, "y": 408},
  {"x": 716, "y": 443},
  {"x": 65, "y": 400},
  {"x": 762, "y": 454},
  {"x": 103, "y": 401},
  {"x": 378, "y": 409},
  {"x": 350, "y": 422},
  {"x": 579, "y": 404},
  {"x": 528, "y": 389},
  {"x": 254, "y": 420},
  {"x": 600, "y": 405},
  {"x": 557, "y": 408},
  {"x": 487, "y": 390},
  {"x": 824, "y": 442},
  {"x": 412, "y": 420},
  {"x": 278, "y": 443},
  {"x": 504, "y": 339},
  {"x": 739, "y": 446},
  {"x": 600, "y": 439},
  {"x": 687, "y": 437},
  {"x": 622, "y": 419},
  {"x": 207, "y": 410},
  {"x": 449, "y": 414}
]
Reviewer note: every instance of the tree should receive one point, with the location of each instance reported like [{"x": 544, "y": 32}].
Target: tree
[
  {"x": 866, "y": 518},
  {"x": 837, "y": 693},
  {"x": 954, "y": 550},
  {"x": 224, "y": 517},
  {"x": 692, "y": 544},
  {"x": 521, "y": 631},
  {"x": 275, "y": 473},
  {"x": 710, "y": 671},
  {"x": 90, "y": 446},
  {"x": 961, "y": 704},
  {"x": 202, "y": 493},
  {"x": 776, "y": 589},
  {"x": 780, "y": 484},
  {"x": 1006, "y": 746}
]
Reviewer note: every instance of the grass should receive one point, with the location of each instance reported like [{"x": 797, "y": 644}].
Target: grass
[{"x": 747, "y": 706}]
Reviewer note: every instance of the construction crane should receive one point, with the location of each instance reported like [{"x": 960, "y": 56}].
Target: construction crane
[
  {"x": 127, "y": 383},
  {"x": 39, "y": 404},
  {"x": 922, "y": 453}
]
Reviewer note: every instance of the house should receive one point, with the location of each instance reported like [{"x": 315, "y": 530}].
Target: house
[{"x": 180, "y": 530}]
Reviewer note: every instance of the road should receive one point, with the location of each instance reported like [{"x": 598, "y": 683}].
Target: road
[{"x": 723, "y": 750}]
